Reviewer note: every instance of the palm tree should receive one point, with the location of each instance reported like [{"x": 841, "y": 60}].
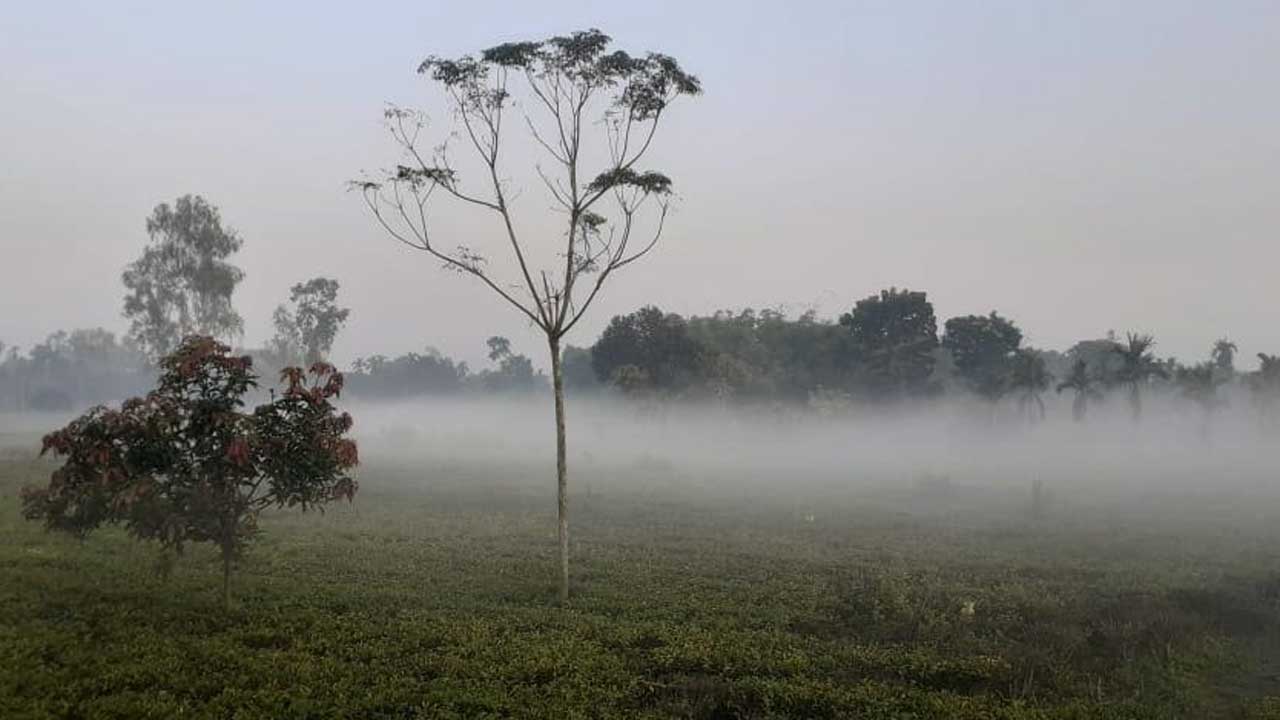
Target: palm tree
[
  {"x": 1086, "y": 386},
  {"x": 1028, "y": 377},
  {"x": 1223, "y": 357},
  {"x": 1200, "y": 384},
  {"x": 1138, "y": 366}
]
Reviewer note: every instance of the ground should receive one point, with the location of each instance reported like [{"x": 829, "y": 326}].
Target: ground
[{"x": 433, "y": 596}]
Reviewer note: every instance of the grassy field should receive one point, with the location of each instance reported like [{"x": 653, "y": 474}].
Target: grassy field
[{"x": 432, "y": 596}]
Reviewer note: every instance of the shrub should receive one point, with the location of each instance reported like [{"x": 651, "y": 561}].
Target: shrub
[{"x": 185, "y": 464}]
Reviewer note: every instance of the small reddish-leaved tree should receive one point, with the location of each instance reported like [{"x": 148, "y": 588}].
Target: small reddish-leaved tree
[{"x": 186, "y": 464}]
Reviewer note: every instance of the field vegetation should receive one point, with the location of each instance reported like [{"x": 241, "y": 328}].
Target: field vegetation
[{"x": 430, "y": 596}]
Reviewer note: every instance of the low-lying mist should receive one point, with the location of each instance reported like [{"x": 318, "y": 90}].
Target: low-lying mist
[
  {"x": 780, "y": 451},
  {"x": 770, "y": 453}
]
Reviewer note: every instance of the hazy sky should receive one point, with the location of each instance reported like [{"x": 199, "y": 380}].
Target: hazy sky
[{"x": 1078, "y": 166}]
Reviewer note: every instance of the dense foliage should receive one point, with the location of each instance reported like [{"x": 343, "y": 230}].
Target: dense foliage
[
  {"x": 983, "y": 349},
  {"x": 895, "y": 335},
  {"x": 185, "y": 464},
  {"x": 654, "y": 347}
]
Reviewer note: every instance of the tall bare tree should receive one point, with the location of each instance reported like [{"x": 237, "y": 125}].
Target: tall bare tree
[{"x": 565, "y": 87}]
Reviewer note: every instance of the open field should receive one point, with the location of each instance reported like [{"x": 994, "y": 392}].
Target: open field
[{"x": 433, "y": 596}]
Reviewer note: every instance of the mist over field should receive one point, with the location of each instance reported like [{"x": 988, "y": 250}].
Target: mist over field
[{"x": 780, "y": 452}]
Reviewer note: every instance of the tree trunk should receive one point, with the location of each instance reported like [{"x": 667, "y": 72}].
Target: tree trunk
[{"x": 562, "y": 469}]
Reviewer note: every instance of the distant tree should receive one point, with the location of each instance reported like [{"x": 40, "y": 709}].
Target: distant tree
[
  {"x": 573, "y": 84},
  {"x": 51, "y": 359},
  {"x": 514, "y": 373},
  {"x": 1223, "y": 357},
  {"x": 1058, "y": 364},
  {"x": 809, "y": 354},
  {"x": 1137, "y": 366},
  {"x": 183, "y": 282},
  {"x": 765, "y": 355},
  {"x": 742, "y": 335},
  {"x": 285, "y": 346},
  {"x": 578, "y": 373},
  {"x": 499, "y": 348},
  {"x": 723, "y": 377},
  {"x": 184, "y": 464},
  {"x": 894, "y": 335},
  {"x": 651, "y": 341},
  {"x": 1264, "y": 386},
  {"x": 1086, "y": 385},
  {"x": 1029, "y": 377},
  {"x": 96, "y": 347},
  {"x": 982, "y": 350},
  {"x": 73, "y": 369},
  {"x": 310, "y": 327},
  {"x": 1199, "y": 384},
  {"x": 631, "y": 380},
  {"x": 1100, "y": 356},
  {"x": 411, "y": 374}
]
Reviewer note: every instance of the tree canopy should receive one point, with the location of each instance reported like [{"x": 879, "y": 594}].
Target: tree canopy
[
  {"x": 1138, "y": 365},
  {"x": 305, "y": 332},
  {"x": 1087, "y": 386},
  {"x": 183, "y": 282},
  {"x": 983, "y": 348},
  {"x": 894, "y": 335},
  {"x": 566, "y": 85},
  {"x": 650, "y": 341}
]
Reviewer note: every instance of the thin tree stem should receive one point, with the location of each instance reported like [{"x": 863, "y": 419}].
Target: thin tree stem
[{"x": 562, "y": 469}]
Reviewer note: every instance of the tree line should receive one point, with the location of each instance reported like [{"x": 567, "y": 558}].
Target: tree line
[{"x": 888, "y": 349}]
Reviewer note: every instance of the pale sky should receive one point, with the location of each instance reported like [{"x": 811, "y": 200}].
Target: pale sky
[{"x": 1078, "y": 166}]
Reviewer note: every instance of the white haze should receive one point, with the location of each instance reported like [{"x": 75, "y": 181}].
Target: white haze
[
  {"x": 949, "y": 460},
  {"x": 771, "y": 454}
]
